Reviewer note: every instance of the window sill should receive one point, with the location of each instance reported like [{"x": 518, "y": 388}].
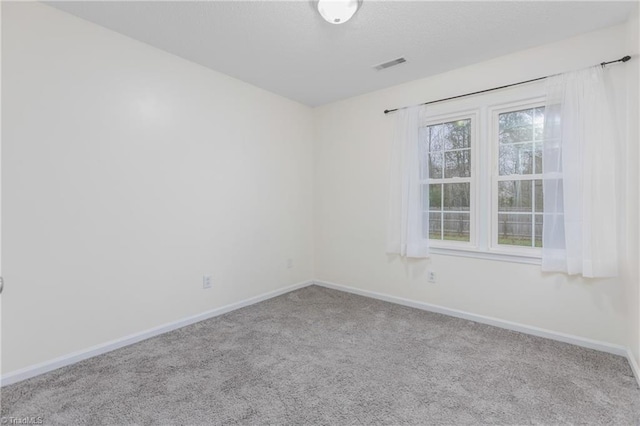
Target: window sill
[{"x": 531, "y": 259}]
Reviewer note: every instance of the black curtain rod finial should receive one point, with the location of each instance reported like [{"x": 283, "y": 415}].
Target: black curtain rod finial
[{"x": 623, "y": 59}]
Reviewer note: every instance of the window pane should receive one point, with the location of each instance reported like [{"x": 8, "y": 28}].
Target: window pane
[
  {"x": 520, "y": 202},
  {"x": 449, "y": 157},
  {"x": 435, "y": 197},
  {"x": 538, "y": 230},
  {"x": 457, "y": 196},
  {"x": 538, "y": 124},
  {"x": 514, "y": 229},
  {"x": 456, "y": 226},
  {"x": 539, "y": 198},
  {"x": 457, "y": 163},
  {"x": 515, "y": 196},
  {"x": 515, "y": 159},
  {"x": 538, "y": 158},
  {"x": 516, "y": 126},
  {"x": 435, "y": 138},
  {"x": 457, "y": 134},
  {"x": 435, "y": 225},
  {"x": 435, "y": 165}
]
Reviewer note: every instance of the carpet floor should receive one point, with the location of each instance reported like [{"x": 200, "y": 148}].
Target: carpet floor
[{"x": 320, "y": 356}]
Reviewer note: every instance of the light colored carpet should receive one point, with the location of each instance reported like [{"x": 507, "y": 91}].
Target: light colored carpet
[{"x": 319, "y": 356}]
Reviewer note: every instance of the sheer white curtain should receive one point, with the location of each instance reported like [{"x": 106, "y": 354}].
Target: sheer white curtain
[
  {"x": 409, "y": 197},
  {"x": 579, "y": 162}
]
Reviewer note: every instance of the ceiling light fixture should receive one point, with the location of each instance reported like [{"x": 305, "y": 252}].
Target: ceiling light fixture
[{"x": 338, "y": 11}]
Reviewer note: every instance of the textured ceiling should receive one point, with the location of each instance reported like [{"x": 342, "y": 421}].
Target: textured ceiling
[{"x": 286, "y": 48}]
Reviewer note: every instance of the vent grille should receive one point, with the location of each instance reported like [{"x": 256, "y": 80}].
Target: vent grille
[{"x": 390, "y": 64}]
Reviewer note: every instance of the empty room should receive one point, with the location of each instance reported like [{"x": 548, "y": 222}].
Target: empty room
[{"x": 313, "y": 212}]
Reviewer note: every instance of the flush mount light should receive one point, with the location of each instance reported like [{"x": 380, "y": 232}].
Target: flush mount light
[{"x": 338, "y": 11}]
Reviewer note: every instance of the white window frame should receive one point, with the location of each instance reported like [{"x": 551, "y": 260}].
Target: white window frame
[
  {"x": 474, "y": 117},
  {"x": 485, "y": 170},
  {"x": 494, "y": 113}
]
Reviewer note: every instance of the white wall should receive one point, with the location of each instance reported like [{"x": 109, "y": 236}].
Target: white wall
[
  {"x": 633, "y": 112},
  {"x": 351, "y": 202},
  {"x": 127, "y": 174}
]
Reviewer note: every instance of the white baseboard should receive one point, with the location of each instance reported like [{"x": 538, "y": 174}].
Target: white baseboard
[
  {"x": 634, "y": 365},
  {"x": 535, "y": 331},
  {"x": 63, "y": 361}
]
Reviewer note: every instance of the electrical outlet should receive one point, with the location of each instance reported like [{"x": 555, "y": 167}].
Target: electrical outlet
[
  {"x": 289, "y": 263},
  {"x": 206, "y": 281},
  {"x": 431, "y": 276}
]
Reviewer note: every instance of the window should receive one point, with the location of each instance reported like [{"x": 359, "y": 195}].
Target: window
[
  {"x": 449, "y": 150},
  {"x": 484, "y": 196},
  {"x": 519, "y": 179}
]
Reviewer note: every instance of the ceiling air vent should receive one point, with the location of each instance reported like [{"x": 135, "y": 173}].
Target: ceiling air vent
[{"x": 390, "y": 64}]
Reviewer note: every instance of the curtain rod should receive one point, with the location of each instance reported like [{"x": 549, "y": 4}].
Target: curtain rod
[{"x": 386, "y": 111}]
